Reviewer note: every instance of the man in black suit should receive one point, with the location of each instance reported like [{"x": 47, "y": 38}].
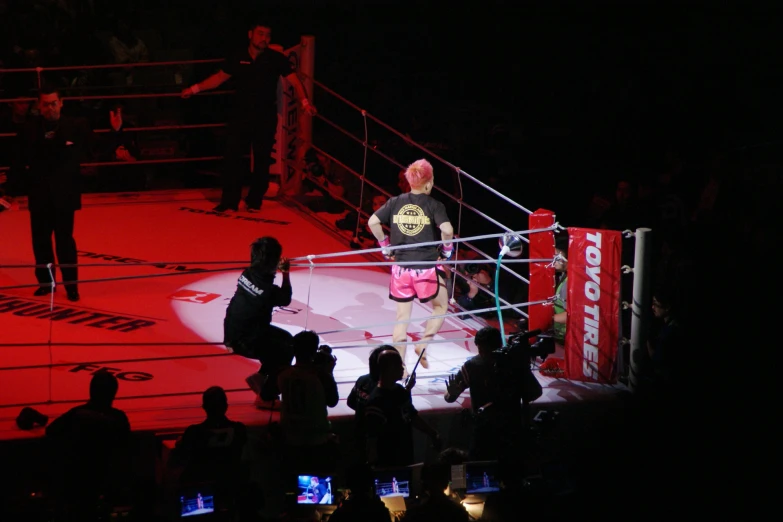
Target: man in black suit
[{"x": 52, "y": 147}]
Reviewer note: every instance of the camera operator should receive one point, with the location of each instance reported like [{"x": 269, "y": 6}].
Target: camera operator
[
  {"x": 495, "y": 393},
  {"x": 308, "y": 388},
  {"x": 471, "y": 297}
]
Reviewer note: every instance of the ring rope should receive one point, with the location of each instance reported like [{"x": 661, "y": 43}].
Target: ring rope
[
  {"x": 51, "y": 327},
  {"x": 427, "y": 243},
  {"x": 229, "y": 269},
  {"x": 301, "y": 258},
  {"x": 224, "y": 354},
  {"x": 309, "y": 286},
  {"x": 118, "y": 265},
  {"x": 364, "y": 173},
  {"x": 220, "y": 343},
  {"x": 444, "y": 316},
  {"x": 406, "y": 263}
]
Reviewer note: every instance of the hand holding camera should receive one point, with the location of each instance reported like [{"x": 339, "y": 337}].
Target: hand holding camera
[{"x": 324, "y": 358}]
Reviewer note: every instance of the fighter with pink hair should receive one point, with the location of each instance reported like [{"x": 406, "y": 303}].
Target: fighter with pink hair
[{"x": 415, "y": 217}]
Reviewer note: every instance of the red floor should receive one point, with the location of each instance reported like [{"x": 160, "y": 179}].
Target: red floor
[{"x": 134, "y": 327}]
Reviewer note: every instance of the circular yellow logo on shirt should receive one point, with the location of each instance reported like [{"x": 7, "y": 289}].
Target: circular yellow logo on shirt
[{"x": 411, "y": 220}]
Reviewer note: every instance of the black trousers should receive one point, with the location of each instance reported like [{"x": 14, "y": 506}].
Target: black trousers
[
  {"x": 242, "y": 134},
  {"x": 47, "y": 222},
  {"x": 274, "y": 350}
]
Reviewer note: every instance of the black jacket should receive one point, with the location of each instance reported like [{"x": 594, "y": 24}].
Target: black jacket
[
  {"x": 52, "y": 154},
  {"x": 250, "y": 311}
]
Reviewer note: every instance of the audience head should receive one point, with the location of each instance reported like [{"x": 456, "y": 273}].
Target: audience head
[
  {"x": 375, "y": 372},
  {"x": 663, "y": 303},
  {"x": 488, "y": 339},
  {"x": 453, "y": 456},
  {"x": 50, "y": 103},
  {"x": 390, "y": 366},
  {"x": 419, "y": 176},
  {"x": 305, "y": 346},
  {"x": 623, "y": 192},
  {"x": 214, "y": 401},
  {"x": 265, "y": 254},
  {"x": 435, "y": 477},
  {"x": 103, "y": 389}
]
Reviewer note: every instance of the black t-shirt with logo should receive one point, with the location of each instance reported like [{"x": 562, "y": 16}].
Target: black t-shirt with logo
[
  {"x": 414, "y": 218},
  {"x": 255, "y": 81}
]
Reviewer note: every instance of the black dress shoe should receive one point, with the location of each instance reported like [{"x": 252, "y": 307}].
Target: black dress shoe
[
  {"x": 224, "y": 208},
  {"x": 44, "y": 290},
  {"x": 73, "y": 294}
]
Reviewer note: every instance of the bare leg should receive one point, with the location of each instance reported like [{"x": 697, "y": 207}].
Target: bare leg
[
  {"x": 439, "y": 307},
  {"x": 400, "y": 333}
]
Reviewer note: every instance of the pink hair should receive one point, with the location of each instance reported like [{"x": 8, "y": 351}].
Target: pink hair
[{"x": 419, "y": 173}]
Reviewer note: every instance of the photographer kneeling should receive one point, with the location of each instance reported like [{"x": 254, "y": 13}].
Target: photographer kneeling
[
  {"x": 499, "y": 380},
  {"x": 308, "y": 388}
]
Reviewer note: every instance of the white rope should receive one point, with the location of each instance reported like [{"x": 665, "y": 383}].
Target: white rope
[
  {"x": 445, "y": 316},
  {"x": 392, "y": 343},
  {"x": 51, "y": 323},
  {"x": 405, "y": 263},
  {"x": 428, "y": 243},
  {"x": 364, "y": 174},
  {"x": 309, "y": 286}
]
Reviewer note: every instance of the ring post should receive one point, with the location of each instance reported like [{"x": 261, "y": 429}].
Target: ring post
[{"x": 640, "y": 310}]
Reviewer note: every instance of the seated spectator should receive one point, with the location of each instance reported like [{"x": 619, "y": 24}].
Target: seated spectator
[
  {"x": 363, "y": 504},
  {"x": 665, "y": 346},
  {"x": 470, "y": 296},
  {"x": 307, "y": 389},
  {"x": 211, "y": 451},
  {"x": 390, "y": 417},
  {"x": 436, "y": 505},
  {"x": 90, "y": 446}
]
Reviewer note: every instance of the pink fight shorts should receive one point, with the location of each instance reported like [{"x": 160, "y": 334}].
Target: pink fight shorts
[{"x": 409, "y": 283}]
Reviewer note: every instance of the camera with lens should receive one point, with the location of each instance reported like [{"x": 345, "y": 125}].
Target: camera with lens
[
  {"x": 323, "y": 356},
  {"x": 514, "y": 381},
  {"x": 472, "y": 268}
]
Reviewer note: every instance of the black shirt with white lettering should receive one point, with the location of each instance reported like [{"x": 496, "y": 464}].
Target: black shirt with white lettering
[
  {"x": 412, "y": 219},
  {"x": 249, "y": 312},
  {"x": 255, "y": 81}
]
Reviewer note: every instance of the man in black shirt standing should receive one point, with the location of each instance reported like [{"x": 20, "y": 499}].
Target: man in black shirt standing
[
  {"x": 415, "y": 217},
  {"x": 253, "y": 119}
]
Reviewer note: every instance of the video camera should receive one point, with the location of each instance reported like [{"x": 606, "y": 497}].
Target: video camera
[
  {"x": 512, "y": 366},
  {"x": 519, "y": 352},
  {"x": 323, "y": 356}
]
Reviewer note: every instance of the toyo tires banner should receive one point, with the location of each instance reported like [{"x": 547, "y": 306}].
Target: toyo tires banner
[{"x": 593, "y": 304}]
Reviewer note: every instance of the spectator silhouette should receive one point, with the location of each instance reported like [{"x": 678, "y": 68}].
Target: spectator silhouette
[
  {"x": 666, "y": 344},
  {"x": 390, "y": 417},
  {"x": 436, "y": 505},
  {"x": 363, "y": 504},
  {"x": 211, "y": 451},
  {"x": 90, "y": 447},
  {"x": 360, "y": 395},
  {"x": 622, "y": 212},
  {"x": 307, "y": 389}
]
